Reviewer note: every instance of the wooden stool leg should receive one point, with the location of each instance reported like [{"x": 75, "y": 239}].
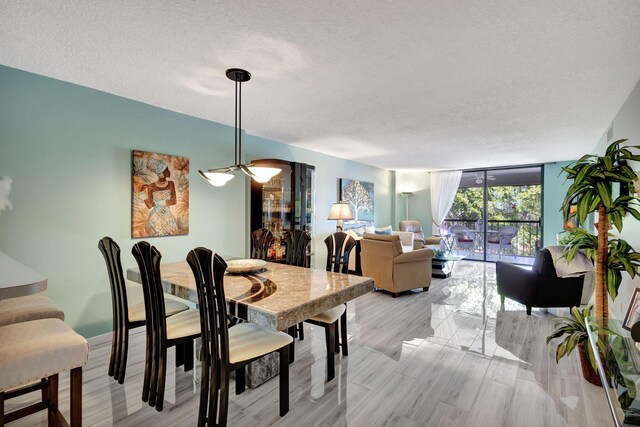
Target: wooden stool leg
[
  {"x": 2, "y": 409},
  {"x": 76, "y": 397},
  {"x": 52, "y": 414}
]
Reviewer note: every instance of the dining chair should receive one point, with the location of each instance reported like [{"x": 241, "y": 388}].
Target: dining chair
[
  {"x": 224, "y": 349},
  {"x": 127, "y": 307},
  {"x": 163, "y": 332},
  {"x": 261, "y": 240},
  {"x": 297, "y": 246},
  {"x": 339, "y": 247},
  {"x": 297, "y": 242}
]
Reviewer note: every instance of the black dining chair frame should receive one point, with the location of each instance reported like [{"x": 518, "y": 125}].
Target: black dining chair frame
[
  {"x": 208, "y": 271},
  {"x": 153, "y": 387},
  {"x": 261, "y": 240},
  {"x": 120, "y": 307}
]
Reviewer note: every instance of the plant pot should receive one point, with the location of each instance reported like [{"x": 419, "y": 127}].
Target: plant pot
[{"x": 588, "y": 372}]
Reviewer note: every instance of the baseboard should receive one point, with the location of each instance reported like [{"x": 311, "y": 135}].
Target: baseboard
[{"x": 106, "y": 338}]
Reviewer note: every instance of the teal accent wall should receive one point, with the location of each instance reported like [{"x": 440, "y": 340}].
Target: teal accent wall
[
  {"x": 555, "y": 189},
  {"x": 68, "y": 150}
]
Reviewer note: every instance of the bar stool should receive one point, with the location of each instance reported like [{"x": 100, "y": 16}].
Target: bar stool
[
  {"x": 38, "y": 351},
  {"x": 25, "y": 309}
]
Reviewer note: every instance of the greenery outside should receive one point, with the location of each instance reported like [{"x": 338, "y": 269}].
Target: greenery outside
[{"x": 505, "y": 203}]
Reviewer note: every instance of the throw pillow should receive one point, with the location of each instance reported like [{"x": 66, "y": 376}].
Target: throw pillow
[
  {"x": 359, "y": 231},
  {"x": 384, "y": 230},
  {"x": 370, "y": 229}
]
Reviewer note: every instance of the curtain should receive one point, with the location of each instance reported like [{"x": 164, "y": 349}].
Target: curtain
[{"x": 444, "y": 186}]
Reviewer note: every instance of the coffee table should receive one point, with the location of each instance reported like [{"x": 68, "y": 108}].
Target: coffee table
[{"x": 442, "y": 265}]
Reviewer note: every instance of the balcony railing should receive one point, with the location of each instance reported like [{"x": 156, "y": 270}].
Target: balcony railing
[{"x": 526, "y": 242}]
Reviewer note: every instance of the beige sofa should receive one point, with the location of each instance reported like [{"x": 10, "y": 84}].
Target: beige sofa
[{"x": 392, "y": 270}]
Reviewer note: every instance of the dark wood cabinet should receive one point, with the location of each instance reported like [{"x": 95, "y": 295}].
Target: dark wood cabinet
[{"x": 286, "y": 202}]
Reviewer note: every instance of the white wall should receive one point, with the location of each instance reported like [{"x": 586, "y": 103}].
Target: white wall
[
  {"x": 419, "y": 183},
  {"x": 626, "y": 124}
]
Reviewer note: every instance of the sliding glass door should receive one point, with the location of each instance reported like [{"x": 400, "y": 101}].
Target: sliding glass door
[{"x": 497, "y": 214}]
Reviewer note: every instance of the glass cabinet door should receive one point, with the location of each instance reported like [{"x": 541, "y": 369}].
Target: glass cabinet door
[{"x": 276, "y": 213}]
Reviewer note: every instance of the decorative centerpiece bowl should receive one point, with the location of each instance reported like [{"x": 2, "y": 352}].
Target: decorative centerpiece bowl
[{"x": 243, "y": 266}]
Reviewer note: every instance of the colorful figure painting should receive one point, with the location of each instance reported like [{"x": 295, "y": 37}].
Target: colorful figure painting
[{"x": 160, "y": 195}]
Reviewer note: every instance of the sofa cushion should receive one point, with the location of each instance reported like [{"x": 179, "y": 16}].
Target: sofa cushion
[{"x": 393, "y": 240}]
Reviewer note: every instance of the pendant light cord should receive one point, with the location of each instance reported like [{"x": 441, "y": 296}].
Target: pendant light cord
[
  {"x": 239, "y": 118},
  {"x": 235, "y": 125}
]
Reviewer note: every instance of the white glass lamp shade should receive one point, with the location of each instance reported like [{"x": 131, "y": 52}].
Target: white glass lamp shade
[
  {"x": 263, "y": 174},
  {"x": 218, "y": 179},
  {"x": 340, "y": 211}
]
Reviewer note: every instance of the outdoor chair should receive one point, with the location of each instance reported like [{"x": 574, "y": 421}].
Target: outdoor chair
[
  {"x": 501, "y": 241},
  {"x": 463, "y": 239}
]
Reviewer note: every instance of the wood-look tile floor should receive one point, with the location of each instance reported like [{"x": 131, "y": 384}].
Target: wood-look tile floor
[{"x": 448, "y": 357}]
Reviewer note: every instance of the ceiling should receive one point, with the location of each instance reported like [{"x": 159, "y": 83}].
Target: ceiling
[{"x": 413, "y": 85}]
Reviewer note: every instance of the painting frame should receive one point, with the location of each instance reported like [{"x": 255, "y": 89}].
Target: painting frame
[
  {"x": 361, "y": 198},
  {"x": 159, "y": 195},
  {"x": 633, "y": 310},
  {"x": 571, "y": 222}
]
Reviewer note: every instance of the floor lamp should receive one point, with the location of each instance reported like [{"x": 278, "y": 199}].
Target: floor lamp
[{"x": 406, "y": 195}]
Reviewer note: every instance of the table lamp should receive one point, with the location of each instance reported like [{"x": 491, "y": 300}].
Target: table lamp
[{"x": 340, "y": 211}]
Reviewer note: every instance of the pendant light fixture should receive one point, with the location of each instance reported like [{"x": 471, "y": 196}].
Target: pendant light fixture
[{"x": 220, "y": 176}]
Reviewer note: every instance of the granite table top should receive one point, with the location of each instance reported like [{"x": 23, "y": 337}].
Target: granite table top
[{"x": 278, "y": 297}]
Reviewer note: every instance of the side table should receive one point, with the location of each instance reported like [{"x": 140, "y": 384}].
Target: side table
[
  {"x": 442, "y": 265},
  {"x": 619, "y": 370}
]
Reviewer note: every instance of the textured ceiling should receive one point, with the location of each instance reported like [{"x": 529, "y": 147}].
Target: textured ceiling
[{"x": 400, "y": 85}]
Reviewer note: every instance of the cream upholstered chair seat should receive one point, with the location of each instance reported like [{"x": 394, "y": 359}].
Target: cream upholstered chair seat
[
  {"x": 25, "y": 309},
  {"x": 136, "y": 312},
  {"x": 135, "y": 299},
  {"x": 330, "y": 315},
  {"x": 183, "y": 324},
  {"x": 38, "y": 349},
  {"x": 248, "y": 341}
]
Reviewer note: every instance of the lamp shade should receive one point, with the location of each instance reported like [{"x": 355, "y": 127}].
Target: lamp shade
[
  {"x": 217, "y": 179},
  {"x": 340, "y": 211},
  {"x": 263, "y": 174}
]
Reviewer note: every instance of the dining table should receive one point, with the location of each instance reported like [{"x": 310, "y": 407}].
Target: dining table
[
  {"x": 17, "y": 280},
  {"x": 278, "y": 297}
]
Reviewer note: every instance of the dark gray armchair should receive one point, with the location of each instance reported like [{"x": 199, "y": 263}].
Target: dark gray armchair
[{"x": 540, "y": 286}]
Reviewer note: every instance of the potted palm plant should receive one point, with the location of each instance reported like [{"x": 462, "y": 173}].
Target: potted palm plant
[
  {"x": 575, "y": 329},
  {"x": 594, "y": 178}
]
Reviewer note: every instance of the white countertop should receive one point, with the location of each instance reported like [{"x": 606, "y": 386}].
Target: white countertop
[{"x": 18, "y": 280}]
